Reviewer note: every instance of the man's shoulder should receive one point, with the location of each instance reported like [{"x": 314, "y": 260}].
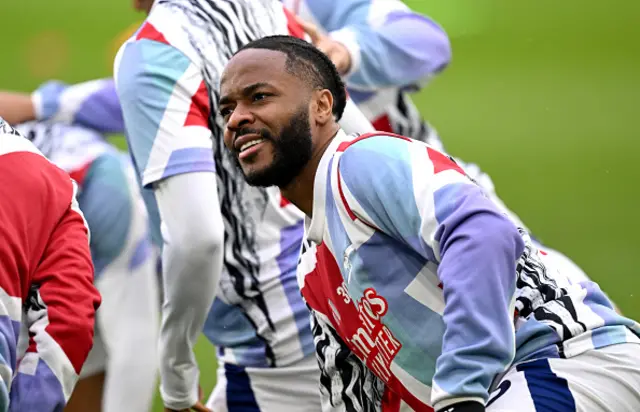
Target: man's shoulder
[
  {"x": 153, "y": 61},
  {"x": 11, "y": 141},
  {"x": 29, "y": 179},
  {"x": 377, "y": 141},
  {"x": 164, "y": 30},
  {"x": 375, "y": 154}
]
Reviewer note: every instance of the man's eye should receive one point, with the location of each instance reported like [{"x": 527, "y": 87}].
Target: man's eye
[
  {"x": 224, "y": 112},
  {"x": 260, "y": 96}
]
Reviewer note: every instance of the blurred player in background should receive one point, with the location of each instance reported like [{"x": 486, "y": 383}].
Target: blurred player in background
[
  {"x": 218, "y": 234},
  {"x": 386, "y": 52},
  {"x": 47, "y": 300},
  {"x": 422, "y": 289},
  {"x": 120, "y": 372},
  {"x": 121, "y": 369}
]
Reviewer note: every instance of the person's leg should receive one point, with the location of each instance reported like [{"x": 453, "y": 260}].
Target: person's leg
[
  {"x": 130, "y": 329},
  {"x": 125, "y": 276},
  {"x": 131, "y": 315},
  {"x": 218, "y": 399},
  {"x": 87, "y": 395},
  {"x": 601, "y": 380},
  {"x": 284, "y": 389}
]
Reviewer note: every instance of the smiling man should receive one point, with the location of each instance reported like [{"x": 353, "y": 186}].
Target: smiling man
[
  {"x": 229, "y": 251},
  {"x": 422, "y": 289}
]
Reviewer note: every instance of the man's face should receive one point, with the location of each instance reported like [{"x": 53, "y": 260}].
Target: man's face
[{"x": 266, "y": 116}]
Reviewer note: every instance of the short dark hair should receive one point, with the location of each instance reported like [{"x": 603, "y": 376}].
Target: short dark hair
[{"x": 309, "y": 64}]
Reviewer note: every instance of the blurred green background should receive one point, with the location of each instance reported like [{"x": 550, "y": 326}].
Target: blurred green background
[{"x": 543, "y": 95}]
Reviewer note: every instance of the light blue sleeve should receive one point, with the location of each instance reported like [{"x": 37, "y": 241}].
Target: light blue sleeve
[
  {"x": 93, "y": 104},
  {"x": 167, "y": 132},
  {"x": 107, "y": 207},
  {"x": 448, "y": 220},
  {"x": 390, "y": 45}
]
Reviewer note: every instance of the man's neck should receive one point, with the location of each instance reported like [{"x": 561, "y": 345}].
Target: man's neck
[{"x": 300, "y": 190}]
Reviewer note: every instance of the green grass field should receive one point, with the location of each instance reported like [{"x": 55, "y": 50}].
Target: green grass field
[{"x": 543, "y": 95}]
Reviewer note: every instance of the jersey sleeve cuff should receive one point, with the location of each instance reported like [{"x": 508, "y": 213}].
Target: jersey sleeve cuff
[
  {"x": 180, "y": 161},
  {"x": 151, "y": 176},
  {"x": 177, "y": 404},
  {"x": 36, "y": 100},
  {"x": 465, "y": 404}
]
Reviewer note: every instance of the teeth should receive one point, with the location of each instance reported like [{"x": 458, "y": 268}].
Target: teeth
[{"x": 249, "y": 144}]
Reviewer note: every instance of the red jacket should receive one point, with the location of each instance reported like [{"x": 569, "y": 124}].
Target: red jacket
[{"x": 46, "y": 278}]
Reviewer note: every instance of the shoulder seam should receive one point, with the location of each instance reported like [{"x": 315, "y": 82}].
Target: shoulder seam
[{"x": 345, "y": 145}]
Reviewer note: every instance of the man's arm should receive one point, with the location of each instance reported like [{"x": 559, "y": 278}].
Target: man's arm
[
  {"x": 16, "y": 107},
  {"x": 567, "y": 266},
  {"x": 59, "y": 311},
  {"x": 422, "y": 198},
  {"x": 93, "y": 104},
  {"x": 388, "y": 44},
  {"x": 193, "y": 231},
  {"x": 165, "y": 106}
]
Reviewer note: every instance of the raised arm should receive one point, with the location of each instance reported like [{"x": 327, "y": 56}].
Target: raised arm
[{"x": 389, "y": 45}]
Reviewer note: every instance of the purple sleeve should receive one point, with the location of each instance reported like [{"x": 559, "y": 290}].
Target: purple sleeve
[
  {"x": 479, "y": 247},
  {"x": 406, "y": 48},
  {"x": 390, "y": 45},
  {"x": 101, "y": 110},
  {"x": 93, "y": 104},
  {"x": 423, "y": 199}
]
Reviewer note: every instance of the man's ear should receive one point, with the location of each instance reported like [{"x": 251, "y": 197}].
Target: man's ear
[{"x": 323, "y": 106}]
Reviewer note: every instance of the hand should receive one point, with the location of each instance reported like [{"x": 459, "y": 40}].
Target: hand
[
  {"x": 198, "y": 407},
  {"x": 336, "y": 51}
]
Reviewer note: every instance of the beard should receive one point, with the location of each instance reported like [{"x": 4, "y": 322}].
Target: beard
[{"x": 292, "y": 150}]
